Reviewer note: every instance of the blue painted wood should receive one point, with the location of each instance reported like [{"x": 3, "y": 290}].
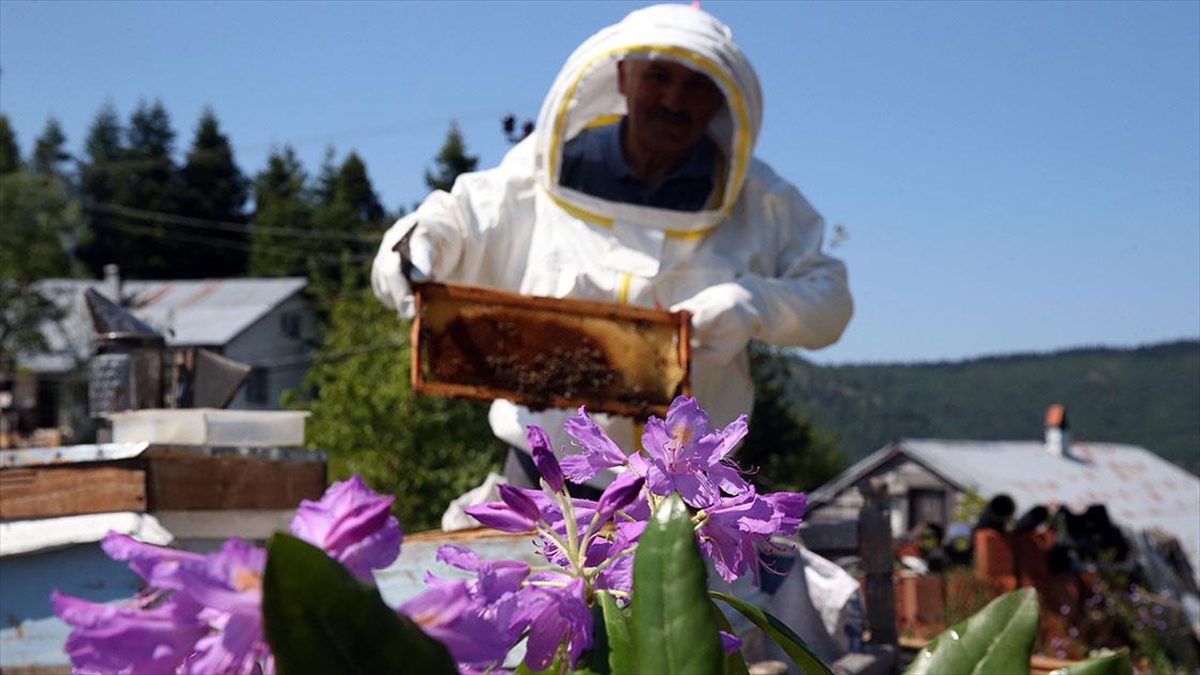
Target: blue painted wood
[{"x": 32, "y": 635}]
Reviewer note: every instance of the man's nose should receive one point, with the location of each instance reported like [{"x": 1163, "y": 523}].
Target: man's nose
[{"x": 674, "y": 98}]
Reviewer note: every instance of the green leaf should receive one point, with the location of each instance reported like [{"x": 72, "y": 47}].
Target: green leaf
[
  {"x": 795, "y": 647},
  {"x": 616, "y": 629},
  {"x": 1117, "y": 663},
  {"x": 996, "y": 639},
  {"x": 735, "y": 663},
  {"x": 320, "y": 619},
  {"x": 673, "y": 629}
]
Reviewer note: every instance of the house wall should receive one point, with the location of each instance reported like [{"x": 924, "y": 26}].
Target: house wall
[
  {"x": 903, "y": 478},
  {"x": 278, "y": 346}
]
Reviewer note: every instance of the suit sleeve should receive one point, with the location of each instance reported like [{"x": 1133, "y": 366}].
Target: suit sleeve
[{"x": 806, "y": 301}]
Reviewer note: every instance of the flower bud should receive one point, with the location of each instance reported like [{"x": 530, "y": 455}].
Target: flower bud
[{"x": 543, "y": 457}]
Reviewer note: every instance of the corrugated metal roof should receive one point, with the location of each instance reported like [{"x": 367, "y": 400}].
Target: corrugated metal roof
[
  {"x": 1139, "y": 489},
  {"x": 189, "y": 313}
]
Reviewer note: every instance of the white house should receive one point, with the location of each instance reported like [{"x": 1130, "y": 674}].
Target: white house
[{"x": 263, "y": 322}]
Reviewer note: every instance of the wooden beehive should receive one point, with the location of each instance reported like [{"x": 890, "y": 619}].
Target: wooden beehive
[{"x": 484, "y": 344}]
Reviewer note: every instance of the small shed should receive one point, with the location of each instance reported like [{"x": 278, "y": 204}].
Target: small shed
[{"x": 928, "y": 478}]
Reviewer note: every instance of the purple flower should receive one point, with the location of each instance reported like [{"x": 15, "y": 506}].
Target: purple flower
[
  {"x": 500, "y": 516},
  {"x": 203, "y": 613},
  {"x": 520, "y": 502},
  {"x": 543, "y": 457},
  {"x": 110, "y": 638},
  {"x": 447, "y": 613},
  {"x": 352, "y": 524},
  {"x": 680, "y": 449},
  {"x": 557, "y": 615},
  {"x": 619, "y": 494},
  {"x": 789, "y": 510},
  {"x": 599, "y": 451},
  {"x": 731, "y": 531},
  {"x": 495, "y": 577}
]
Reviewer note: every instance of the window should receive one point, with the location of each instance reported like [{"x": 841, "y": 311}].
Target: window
[
  {"x": 926, "y": 506},
  {"x": 289, "y": 324},
  {"x": 257, "y": 387}
]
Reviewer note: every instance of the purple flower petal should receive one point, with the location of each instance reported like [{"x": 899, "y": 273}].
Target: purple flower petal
[
  {"x": 730, "y": 436},
  {"x": 557, "y": 616},
  {"x": 789, "y": 510},
  {"x": 619, "y": 494},
  {"x": 353, "y": 525},
  {"x": 237, "y": 647},
  {"x": 157, "y": 565},
  {"x": 229, "y": 580},
  {"x": 543, "y": 457},
  {"x": 730, "y": 643},
  {"x": 732, "y": 530},
  {"x": 599, "y": 451},
  {"x": 519, "y": 502},
  {"x": 447, "y": 613},
  {"x": 109, "y": 638},
  {"x": 499, "y": 516}
]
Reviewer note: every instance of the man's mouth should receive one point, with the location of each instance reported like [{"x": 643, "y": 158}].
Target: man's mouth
[{"x": 670, "y": 117}]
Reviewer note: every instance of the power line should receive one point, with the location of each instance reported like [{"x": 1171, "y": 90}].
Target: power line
[
  {"x": 235, "y": 245},
  {"x": 248, "y": 228}
]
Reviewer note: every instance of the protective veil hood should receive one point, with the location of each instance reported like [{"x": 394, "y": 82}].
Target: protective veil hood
[{"x": 585, "y": 94}]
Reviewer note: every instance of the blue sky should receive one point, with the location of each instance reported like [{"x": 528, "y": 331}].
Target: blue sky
[{"x": 1013, "y": 176}]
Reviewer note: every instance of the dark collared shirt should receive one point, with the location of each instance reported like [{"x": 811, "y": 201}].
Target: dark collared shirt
[{"x": 593, "y": 162}]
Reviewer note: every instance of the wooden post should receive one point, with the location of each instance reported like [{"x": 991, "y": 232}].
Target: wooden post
[{"x": 875, "y": 547}]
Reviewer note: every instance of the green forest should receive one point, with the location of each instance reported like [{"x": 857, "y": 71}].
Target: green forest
[{"x": 1149, "y": 396}]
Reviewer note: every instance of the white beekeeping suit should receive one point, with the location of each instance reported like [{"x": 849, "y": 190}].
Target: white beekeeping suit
[{"x": 749, "y": 265}]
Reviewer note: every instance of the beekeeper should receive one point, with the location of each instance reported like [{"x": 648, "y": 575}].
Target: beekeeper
[{"x": 639, "y": 186}]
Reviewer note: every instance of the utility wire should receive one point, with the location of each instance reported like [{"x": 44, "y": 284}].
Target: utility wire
[
  {"x": 248, "y": 228},
  {"x": 235, "y": 245}
]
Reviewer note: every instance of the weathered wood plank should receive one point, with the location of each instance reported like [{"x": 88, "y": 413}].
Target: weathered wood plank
[
  {"x": 217, "y": 483},
  {"x": 43, "y": 492}
]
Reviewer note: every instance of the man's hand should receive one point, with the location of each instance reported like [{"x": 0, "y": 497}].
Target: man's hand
[
  {"x": 389, "y": 284},
  {"x": 723, "y": 321}
]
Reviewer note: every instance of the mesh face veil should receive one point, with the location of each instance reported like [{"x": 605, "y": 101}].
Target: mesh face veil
[{"x": 585, "y": 94}]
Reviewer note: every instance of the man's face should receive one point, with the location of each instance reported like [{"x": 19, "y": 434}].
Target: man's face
[{"x": 670, "y": 105}]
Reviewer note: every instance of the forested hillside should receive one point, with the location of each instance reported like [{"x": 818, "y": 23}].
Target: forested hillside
[{"x": 1148, "y": 396}]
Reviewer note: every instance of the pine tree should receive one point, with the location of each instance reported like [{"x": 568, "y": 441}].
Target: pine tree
[
  {"x": 213, "y": 188},
  {"x": 354, "y": 190},
  {"x": 102, "y": 178},
  {"x": 10, "y": 153},
  {"x": 783, "y": 446},
  {"x": 281, "y": 201},
  {"x": 451, "y": 161},
  {"x": 153, "y": 186},
  {"x": 325, "y": 185},
  {"x": 346, "y": 206},
  {"x": 49, "y": 152}
]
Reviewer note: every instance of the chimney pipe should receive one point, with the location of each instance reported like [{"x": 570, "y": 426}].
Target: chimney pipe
[
  {"x": 112, "y": 282},
  {"x": 1058, "y": 432}
]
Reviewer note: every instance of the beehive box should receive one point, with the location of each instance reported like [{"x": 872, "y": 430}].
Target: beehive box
[{"x": 484, "y": 344}]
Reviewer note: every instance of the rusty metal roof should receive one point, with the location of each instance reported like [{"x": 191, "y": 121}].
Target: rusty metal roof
[{"x": 199, "y": 312}]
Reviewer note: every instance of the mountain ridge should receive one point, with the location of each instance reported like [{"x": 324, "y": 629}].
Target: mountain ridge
[{"x": 1147, "y": 395}]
